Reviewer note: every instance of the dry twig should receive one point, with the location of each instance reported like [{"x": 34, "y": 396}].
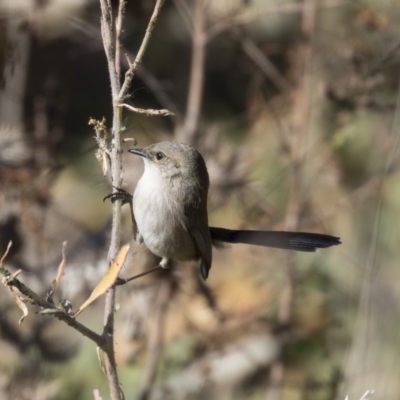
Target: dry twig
[
  {"x": 135, "y": 65},
  {"x": 111, "y": 41},
  {"x": 300, "y": 126},
  {"x": 47, "y": 307},
  {"x": 156, "y": 336},
  {"x": 110, "y": 155},
  {"x": 148, "y": 111},
  {"x": 189, "y": 132}
]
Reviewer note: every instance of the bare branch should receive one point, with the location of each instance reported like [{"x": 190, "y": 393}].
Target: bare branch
[
  {"x": 118, "y": 95},
  {"x": 6, "y": 253},
  {"x": 48, "y": 308},
  {"x": 301, "y": 108},
  {"x": 107, "y": 30},
  {"x": 107, "y": 33},
  {"x": 156, "y": 87},
  {"x": 262, "y": 61},
  {"x": 155, "y": 341},
  {"x": 11, "y": 281},
  {"x": 287, "y": 8},
  {"x": 184, "y": 10},
  {"x": 121, "y": 281},
  {"x": 190, "y": 127},
  {"x": 118, "y": 29},
  {"x": 148, "y": 111},
  {"x": 134, "y": 66}
]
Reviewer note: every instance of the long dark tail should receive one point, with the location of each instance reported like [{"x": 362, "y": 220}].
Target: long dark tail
[{"x": 300, "y": 241}]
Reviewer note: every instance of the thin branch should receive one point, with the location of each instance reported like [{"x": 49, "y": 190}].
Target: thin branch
[
  {"x": 148, "y": 111},
  {"x": 48, "y": 307},
  {"x": 262, "y": 61},
  {"x": 107, "y": 33},
  {"x": 122, "y": 281},
  {"x": 15, "y": 68},
  {"x": 242, "y": 19},
  {"x": 107, "y": 30},
  {"x": 134, "y": 66},
  {"x": 118, "y": 30},
  {"x": 118, "y": 95},
  {"x": 184, "y": 11},
  {"x": 155, "y": 342},
  {"x": 275, "y": 380},
  {"x": 301, "y": 109},
  {"x": 189, "y": 132},
  {"x": 157, "y": 89}
]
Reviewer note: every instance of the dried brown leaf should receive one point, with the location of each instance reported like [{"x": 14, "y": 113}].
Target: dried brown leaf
[
  {"x": 20, "y": 303},
  {"x": 108, "y": 279},
  {"x": 61, "y": 269},
  {"x": 5, "y": 254}
]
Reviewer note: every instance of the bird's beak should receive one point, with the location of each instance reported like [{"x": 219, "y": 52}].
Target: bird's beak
[{"x": 138, "y": 152}]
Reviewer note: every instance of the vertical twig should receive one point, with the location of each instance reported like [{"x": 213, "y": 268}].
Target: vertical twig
[
  {"x": 189, "y": 132},
  {"x": 183, "y": 9},
  {"x": 359, "y": 360},
  {"x": 300, "y": 127},
  {"x": 301, "y": 113},
  {"x": 155, "y": 341},
  {"x": 111, "y": 41},
  {"x": 118, "y": 28},
  {"x": 107, "y": 31},
  {"x": 12, "y": 91},
  {"x": 135, "y": 65},
  {"x": 13, "y": 87}
]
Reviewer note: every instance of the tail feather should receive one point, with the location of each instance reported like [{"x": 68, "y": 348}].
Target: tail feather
[{"x": 300, "y": 241}]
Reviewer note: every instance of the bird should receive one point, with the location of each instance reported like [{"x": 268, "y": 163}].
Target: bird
[{"x": 169, "y": 207}]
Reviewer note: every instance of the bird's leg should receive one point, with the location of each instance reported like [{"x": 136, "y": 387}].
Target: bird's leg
[
  {"x": 139, "y": 237},
  {"x": 121, "y": 281},
  {"x": 165, "y": 263}
]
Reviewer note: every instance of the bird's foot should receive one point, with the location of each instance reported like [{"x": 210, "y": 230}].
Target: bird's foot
[{"x": 119, "y": 194}]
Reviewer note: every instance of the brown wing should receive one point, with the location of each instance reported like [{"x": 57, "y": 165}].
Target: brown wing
[
  {"x": 195, "y": 222},
  {"x": 202, "y": 240},
  {"x": 195, "y": 219}
]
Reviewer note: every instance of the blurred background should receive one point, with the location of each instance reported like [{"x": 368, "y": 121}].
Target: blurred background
[{"x": 295, "y": 107}]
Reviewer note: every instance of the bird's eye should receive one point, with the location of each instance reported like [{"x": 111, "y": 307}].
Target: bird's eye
[{"x": 159, "y": 155}]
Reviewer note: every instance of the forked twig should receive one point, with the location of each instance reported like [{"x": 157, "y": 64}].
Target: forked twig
[
  {"x": 47, "y": 307},
  {"x": 135, "y": 65},
  {"x": 111, "y": 40}
]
